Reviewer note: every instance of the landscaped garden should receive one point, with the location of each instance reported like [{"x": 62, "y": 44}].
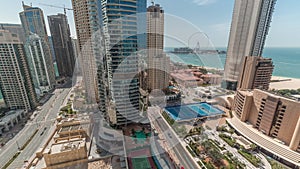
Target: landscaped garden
[
  {"x": 168, "y": 118},
  {"x": 67, "y": 111},
  {"x": 211, "y": 156},
  {"x": 139, "y": 137},
  {"x": 251, "y": 158},
  {"x": 275, "y": 164},
  {"x": 232, "y": 142},
  {"x": 229, "y": 140}
]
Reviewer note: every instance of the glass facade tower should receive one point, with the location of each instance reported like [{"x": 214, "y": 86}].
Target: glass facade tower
[
  {"x": 33, "y": 23},
  {"x": 120, "y": 31}
]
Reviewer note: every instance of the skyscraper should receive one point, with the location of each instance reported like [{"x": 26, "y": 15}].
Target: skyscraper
[
  {"x": 142, "y": 24},
  {"x": 62, "y": 44},
  {"x": 52, "y": 48},
  {"x": 249, "y": 28},
  {"x": 256, "y": 73},
  {"x": 41, "y": 64},
  {"x": 120, "y": 32},
  {"x": 14, "y": 28},
  {"x": 158, "y": 62},
  {"x": 15, "y": 80},
  {"x": 87, "y": 22}
]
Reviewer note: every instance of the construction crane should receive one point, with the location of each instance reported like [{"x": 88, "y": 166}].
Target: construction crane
[{"x": 53, "y": 6}]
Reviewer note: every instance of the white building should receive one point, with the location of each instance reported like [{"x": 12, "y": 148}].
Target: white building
[{"x": 40, "y": 66}]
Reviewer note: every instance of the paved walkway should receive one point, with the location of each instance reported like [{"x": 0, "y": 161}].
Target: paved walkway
[{"x": 265, "y": 142}]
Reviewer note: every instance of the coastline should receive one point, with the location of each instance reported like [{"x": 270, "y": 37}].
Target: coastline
[
  {"x": 205, "y": 67},
  {"x": 284, "y": 83},
  {"x": 279, "y": 82}
]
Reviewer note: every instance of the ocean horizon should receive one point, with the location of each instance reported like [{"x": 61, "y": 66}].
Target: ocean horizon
[{"x": 286, "y": 60}]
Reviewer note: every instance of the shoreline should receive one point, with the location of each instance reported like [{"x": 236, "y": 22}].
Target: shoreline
[
  {"x": 205, "y": 67},
  {"x": 285, "y": 83},
  {"x": 279, "y": 82}
]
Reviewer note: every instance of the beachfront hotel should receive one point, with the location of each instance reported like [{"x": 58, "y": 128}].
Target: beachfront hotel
[
  {"x": 15, "y": 80},
  {"x": 158, "y": 62},
  {"x": 275, "y": 116},
  {"x": 249, "y": 27},
  {"x": 256, "y": 73}
]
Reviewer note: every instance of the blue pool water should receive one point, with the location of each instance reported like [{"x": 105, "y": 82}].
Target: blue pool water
[{"x": 190, "y": 111}]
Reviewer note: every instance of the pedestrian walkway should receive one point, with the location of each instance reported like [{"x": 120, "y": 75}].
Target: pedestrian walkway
[{"x": 265, "y": 142}]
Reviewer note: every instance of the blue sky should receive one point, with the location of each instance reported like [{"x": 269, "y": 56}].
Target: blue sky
[{"x": 210, "y": 16}]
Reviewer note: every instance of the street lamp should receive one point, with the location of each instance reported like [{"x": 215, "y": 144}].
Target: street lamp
[
  {"x": 18, "y": 146},
  {"x": 37, "y": 124}
]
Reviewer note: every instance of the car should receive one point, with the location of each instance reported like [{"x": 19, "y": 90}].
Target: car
[{"x": 42, "y": 133}]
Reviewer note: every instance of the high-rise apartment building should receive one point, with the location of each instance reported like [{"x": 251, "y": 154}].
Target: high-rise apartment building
[
  {"x": 87, "y": 21},
  {"x": 14, "y": 28},
  {"x": 39, "y": 64},
  {"x": 249, "y": 28},
  {"x": 120, "y": 32},
  {"x": 256, "y": 73},
  {"x": 38, "y": 49},
  {"x": 142, "y": 24},
  {"x": 273, "y": 115},
  {"x": 75, "y": 47},
  {"x": 62, "y": 44},
  {"x": 158, "y": 62},
  {"x": 15, "y": 80}
]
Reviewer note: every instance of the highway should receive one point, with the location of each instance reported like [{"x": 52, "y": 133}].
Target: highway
[
  {"x": 43, "y": 122},
  {"x": 185, "y": 159}
]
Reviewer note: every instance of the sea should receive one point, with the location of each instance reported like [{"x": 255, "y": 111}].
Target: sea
[{"x": 286, "y": 60}]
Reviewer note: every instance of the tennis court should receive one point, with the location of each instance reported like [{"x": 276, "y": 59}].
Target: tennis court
[
  {"x": 141, "y": 159},
  {"x": 190, "y": 111},
  {"x": 141, "y": 162}
]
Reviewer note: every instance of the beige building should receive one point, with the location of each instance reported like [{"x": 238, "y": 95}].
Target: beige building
[
  {"x": 67, "y": 154},
  {"x": 76, "y": 127},
  {"x": 275, "y": 116},
  {"x": 249, "y": 27},
  {"x": 86, "y": 22},
  {"x": 15, "y": 80},
  {"x": 256, "y": 73},
  {"x": 213, "y": 79},
  {"x": 158, "y": 62}
]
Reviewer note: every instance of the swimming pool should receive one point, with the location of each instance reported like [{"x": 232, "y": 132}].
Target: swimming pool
[{"x": 190, "y": 111}]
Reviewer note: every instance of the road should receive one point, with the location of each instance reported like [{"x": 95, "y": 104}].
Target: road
[
  {"x": 185, "y": 159},
  {"x": 43, "y": 122}
]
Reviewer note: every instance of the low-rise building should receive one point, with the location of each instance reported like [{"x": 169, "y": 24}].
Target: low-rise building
[
  {"x": 10, "y": 119},
  {"x": 67, "y": 154},
  {"x": 186, "y": 78},
  {"x": 214, "y": 79},
  {"x": 76, "y": 127}
]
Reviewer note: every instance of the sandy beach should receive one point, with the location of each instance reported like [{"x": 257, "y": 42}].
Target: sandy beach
[{"x": 285, "y": 83}]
